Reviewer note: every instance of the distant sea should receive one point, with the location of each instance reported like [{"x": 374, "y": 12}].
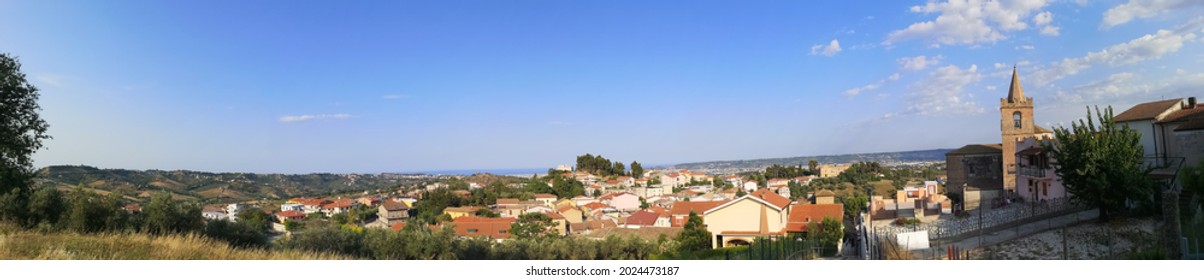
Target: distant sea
[{"x": 518, "y": 171}]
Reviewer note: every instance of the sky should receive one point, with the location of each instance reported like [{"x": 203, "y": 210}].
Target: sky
[{"x": 410, "y": 86}]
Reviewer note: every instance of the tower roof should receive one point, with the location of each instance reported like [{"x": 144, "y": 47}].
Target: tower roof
[{"x": 1016, "y": 93}]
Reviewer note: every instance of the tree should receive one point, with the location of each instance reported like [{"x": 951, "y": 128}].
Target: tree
[
  {"x": 828, "y": 231},
  {"x": 46, "y": 206},
  {"x": 1193, "y": 178},
  {"x": 694, "y": 235},
  {"x": 813, "y": 166},
  {"x": 618, "y": 169},
  {"x": 165, "y": 215},
  {"x": 740, "y": 192},
  {"x": 485, "y": 213},
  {"x": 255, "y": 219},
  {"x": 238, "y": 234},
  {"x": 532, "y": 225},
  {"x": 1101, "y": 166},
  {"x": 853, "y": 205},
  {"x": 21, "y": 133},
  {"x": 637, "y": 170}
]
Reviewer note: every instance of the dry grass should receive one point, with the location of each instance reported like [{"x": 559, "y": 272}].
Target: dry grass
[{"x": 28, "y": 245}]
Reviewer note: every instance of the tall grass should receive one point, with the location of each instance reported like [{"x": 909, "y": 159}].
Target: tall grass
[{"x": 17, "y": 244}]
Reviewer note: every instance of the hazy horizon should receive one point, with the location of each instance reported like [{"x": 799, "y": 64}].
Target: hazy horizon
[{"x": 302, "y": 87}]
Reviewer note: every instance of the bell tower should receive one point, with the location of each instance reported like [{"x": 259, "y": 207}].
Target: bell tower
[{"x": 1016, "y": 123}]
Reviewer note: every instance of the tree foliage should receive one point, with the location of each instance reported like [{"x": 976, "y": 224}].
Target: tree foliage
[
  {"x": 21, "y": 133},
  {"x": 694, "y": 235},
  {"x": 637, "y": 170},
  {"x": 599, "y": 165},
  {"x": 166, "y": 215},
  {"x": 1101, "y": 166},
  {"x": 532, "y": 225}
]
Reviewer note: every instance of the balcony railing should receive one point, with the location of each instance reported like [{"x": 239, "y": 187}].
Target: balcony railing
[{"x": 1033, "y": 171}]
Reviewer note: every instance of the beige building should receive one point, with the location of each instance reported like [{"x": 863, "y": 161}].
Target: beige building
[
  {"x": 740, "y": 221},
  {"x": 832, "y": 170},
  {"x": 1017, "y": 124}
]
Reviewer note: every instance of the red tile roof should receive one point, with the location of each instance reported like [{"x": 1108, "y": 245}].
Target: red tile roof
[
  {"x": 340, "y": 204},
  {"x": 643, "y": 218},
  {"x": 596, "y": 205},
  {"x": 469, "y": 226},
  {"x": 801, "y": 214},
  {"x": 398, "y": 226},
  {"x": 684, "y": 207},
  {"x": 395, "y": 206},
  {"x": 567, "y": 208},
  {"x": 1194, "y": 113},
  {"x": 507, "y": 201},
  {"x": 290, "y": 214},
  {"x": 544, "y": 195}
]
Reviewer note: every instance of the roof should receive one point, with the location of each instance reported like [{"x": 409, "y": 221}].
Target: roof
[
  {"x": 1040, "y": 129},
  {"x": 394, "y": 206},
  {"x": 643, "y": 217},
  {"x": 554, "y": 216},
  {"x": 825, "y": 193},
  {"x": 470, "y": 226},
  {"x": 290, "y": 214},
  {"x": 133, "y": 207},
  {"x": 1191, "y": 125},
  {"x": 1147, "y": 111},
  {"x": 507, "y": 201},
  {"x": 1035, "y": 149},
  {"x": 1189, "y": 114},
  {"x": 684, "y": 207},
  {"x": 463, "y": 209},
  {"x": 596, "y": 205},
  {"x": 340, "y": 204},
  {"x": 800, "y": 214},
  {"x": 1016, "y": 92},
  {"x": 771, "y": 197},
  {"x": 398, "y": 226},
  {"x": 545, "y": 195},
  {"x": 567, "y": 208},
  {"x": 658, "y": 210},
  {"x": 978, "y": 149}
]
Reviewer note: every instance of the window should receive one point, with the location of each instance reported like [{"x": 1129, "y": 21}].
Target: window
[
  {"x": 1016, "y": 119},
  {"x": 472, "y": 230}
]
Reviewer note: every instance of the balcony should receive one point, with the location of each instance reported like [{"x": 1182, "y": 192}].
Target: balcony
[{"x": 1033, "y": 171}]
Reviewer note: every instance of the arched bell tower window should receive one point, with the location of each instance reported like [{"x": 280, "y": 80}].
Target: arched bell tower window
[{"x": 1016, "y": 119}]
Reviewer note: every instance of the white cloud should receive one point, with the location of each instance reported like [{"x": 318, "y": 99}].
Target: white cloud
[
  {"x": 831, "y": 49},
  {"x": 872, "y": 86},
  {"x": 943, "y": 93},
  {"x": 301, "y": 118},
  {"x": 1138, "y": 9},
  {"x": 1150, "y": 46},
  {"x": 1043, "y": 21},
  {"x": 1000, "y": 65},
  {"x": 968, "y": 22},
  {"x": 1130, "y": 88},
  {"x": 919, "y": 62}
]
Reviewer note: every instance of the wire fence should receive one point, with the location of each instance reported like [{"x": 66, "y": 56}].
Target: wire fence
[{"x": 983, "y": 220}]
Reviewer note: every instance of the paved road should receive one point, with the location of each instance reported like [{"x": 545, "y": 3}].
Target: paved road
[{"x": 1000, "y": 236}]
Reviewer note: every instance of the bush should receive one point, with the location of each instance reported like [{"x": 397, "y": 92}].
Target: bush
[{"x": 238, "y": 234}]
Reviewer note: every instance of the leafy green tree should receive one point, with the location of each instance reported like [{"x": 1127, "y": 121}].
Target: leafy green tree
[
  {"x": 21, "y": 133},
  {"x": 1193, "y": 178},
  {"x": 813, "y": 167},
  {"x": 740, "y": 192},
  {"x": 255, "y": 219},
  {"x": 532, "y": 225},
  {"x": 637, "y": 170},
  {"x": 89, "y": 212},
  {"x": 46, "y": 206},
  {"x": 829, "y": 231},
  {"x": 1101, "y": 166},
  {"x": 618, "y": 169},
  {"x": 485, "y": 213},
  {"x": 166, "y": 215},
  {"x": 854, "y": 205},
  {"x": 694, "y": 235},
  {"x": 238, "y": 234}
]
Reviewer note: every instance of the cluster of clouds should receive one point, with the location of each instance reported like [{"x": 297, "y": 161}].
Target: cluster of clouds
[
  {"x": 831, "y": 49},
  {"x": 946, "y": 90}
]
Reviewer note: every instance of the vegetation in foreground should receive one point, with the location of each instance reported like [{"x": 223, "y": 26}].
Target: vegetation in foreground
[{"x": 20, "y": 244}]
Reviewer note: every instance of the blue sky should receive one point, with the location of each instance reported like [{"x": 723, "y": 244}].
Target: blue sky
[{"x": 312, "y": 86}]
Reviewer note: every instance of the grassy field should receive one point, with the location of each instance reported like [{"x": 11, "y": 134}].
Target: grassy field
[{"x": 18, "y": 244}]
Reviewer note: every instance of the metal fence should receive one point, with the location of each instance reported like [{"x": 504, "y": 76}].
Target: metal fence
[{"x": 984, "y": 220}]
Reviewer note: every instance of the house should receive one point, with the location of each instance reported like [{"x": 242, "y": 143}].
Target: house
[
  {"x": 680, "y": 212},
  {"x": 547, "y": 199},
  {"x": 1172, "y": 134},
  {"x": 336, "y": 208},
  {"x": 803, "y": 180},
  {"x": 312, "y": 205},
  {"x": 1036, "y": 179},
  {"x": 503, "y": 202},
  {"x": 825, "y": 197},
  {"x": 560, "y": 224},
  {"x": 740, "y": 221},
  {"x": 803, "y": 214},
  {"x": 594, "y": 206},
  {"x": 292, "y": 207},
  {"x": 390, "y": 212},
  {"x": 470, "y": 226},
  {"x": 570, "y": 213},
  {"x": 583, "y": 200},
  {"x": 626, "y": 181},
  {"x": 368, "y": 201},
  {"x": 645, "y": 218},
  {"x": 832, "y": 170},
  {"x": 750, "y": 186},
  {"x": 625, "y": 201},
  {"x": 592, "y": 225},
  {"x": 647, "y": 192},
  {"x": 564, "y": 202},
  {"x": 538, "y": 209},
  {"x": 456, "y": 212},
  {"x": 975, "y": 173},
  {"x": 295, "y": 216},
  {"x": 132, "y": 208},
  {"x": 776, "y": 183},
  {"x": 214, "y": 212}
]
